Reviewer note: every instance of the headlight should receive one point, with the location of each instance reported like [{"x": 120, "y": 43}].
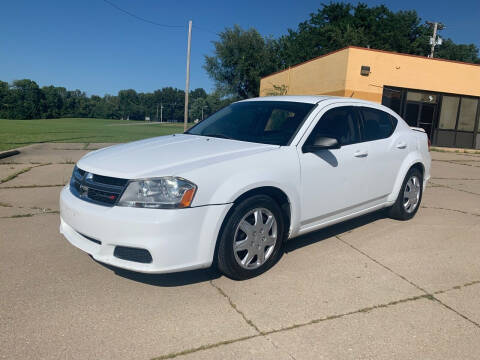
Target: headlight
[{"x": 159, "y": 193}]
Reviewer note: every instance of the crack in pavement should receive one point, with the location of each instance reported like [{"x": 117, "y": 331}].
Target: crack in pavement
[
  {"x": 265, "y": 334},
  {"x": 410, "y": 282},
  {"x": 452, "y": 188},
  {"x": 294, "y": 326},
  {"x": 448, "y": 178},
  {"x": 457, "y": 287},
  {"x": 457, "y": 162},
  {"x": 30, "y": 186},
  {"x": 447, "y": 209},
  {"x": 247, "y": 320},
  {"x": 20, "y": 172},
  {"x": 235, "y": 307},
  {"x": 30, "y": 214}
]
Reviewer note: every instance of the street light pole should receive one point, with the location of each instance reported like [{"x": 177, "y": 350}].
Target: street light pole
[{"x": 187, "y": 81}]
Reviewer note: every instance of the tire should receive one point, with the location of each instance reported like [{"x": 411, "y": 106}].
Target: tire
[
  {"x": 241, "y": 246},
  {"x": 405, "y": 206}
]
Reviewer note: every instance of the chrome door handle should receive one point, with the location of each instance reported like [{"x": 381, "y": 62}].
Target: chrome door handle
[
  {"x": 360, "y": 153},
  {"x": 401, "y": 145}
]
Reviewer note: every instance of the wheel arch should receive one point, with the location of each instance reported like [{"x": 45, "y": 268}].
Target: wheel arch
[
  {"x": 277, "y": 194},
  {"x": 409, "y": 163},
  {"x": 418, "y": 165}
]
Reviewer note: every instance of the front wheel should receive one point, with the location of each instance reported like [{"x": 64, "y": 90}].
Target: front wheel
[
  {"x": 409, "y": 197},
  {"x": 252, "y": 238}
]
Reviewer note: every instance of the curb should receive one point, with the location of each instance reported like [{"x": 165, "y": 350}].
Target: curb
[
  {"x": 454, "y": 150},
  {"x": 6, "y": 154}
]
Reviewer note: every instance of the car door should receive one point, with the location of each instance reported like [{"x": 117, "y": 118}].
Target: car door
[
  {"x": 333, "y": 180},
  {"x": 386, "y": 147}
]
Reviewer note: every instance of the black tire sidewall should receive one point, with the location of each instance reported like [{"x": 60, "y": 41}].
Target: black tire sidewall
[
  {"x": 404, "y": 215},
  {"x": 226, "y": 258}
]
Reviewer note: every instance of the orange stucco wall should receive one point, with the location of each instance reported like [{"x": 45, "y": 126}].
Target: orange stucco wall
[
  {"x": 407, "y": 72},
  {"x": 325, "y": 75},
  {"x": 338, "y": 73}
]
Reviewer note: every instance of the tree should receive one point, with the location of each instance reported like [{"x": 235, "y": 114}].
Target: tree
[
  {"x": 338, "y": 25},
  {"x": 52, "y": 101},
  {"x": 26, "y": 100},
  {"x": 199, "y": 107},
  {"x": 461, "y": 52},
  {"x": 4, "y": 99},
  {"x": 241, "y": 58}
]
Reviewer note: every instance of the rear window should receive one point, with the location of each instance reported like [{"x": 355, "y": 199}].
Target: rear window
[{"x": 377, "y": 124}]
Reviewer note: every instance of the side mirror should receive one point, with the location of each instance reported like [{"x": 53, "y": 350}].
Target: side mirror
[{"x": 321, "y": 143}]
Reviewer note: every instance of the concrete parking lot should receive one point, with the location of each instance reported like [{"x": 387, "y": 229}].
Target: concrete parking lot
[{"x": 372, "y": 288}]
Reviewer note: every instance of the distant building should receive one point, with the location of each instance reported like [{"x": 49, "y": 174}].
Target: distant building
[{"x": 438, "y": 95}]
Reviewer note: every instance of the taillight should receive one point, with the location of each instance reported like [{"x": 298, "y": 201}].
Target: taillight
[{"x": 429, "y": 144}]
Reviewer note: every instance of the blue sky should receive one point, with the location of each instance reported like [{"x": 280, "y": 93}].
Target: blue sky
[{"x": 91, "y": 46}]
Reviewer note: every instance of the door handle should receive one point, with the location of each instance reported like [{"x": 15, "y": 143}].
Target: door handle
[
  {"x": 360, "y": 153},
  {"x": 401, "y": 145}
]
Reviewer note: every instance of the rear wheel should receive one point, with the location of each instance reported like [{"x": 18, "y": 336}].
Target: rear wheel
[
  {"x": 252, "y": 238},
  {"x": 409, "y": 197}
]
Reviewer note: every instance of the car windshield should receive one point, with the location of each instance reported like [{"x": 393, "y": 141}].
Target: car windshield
[{"x": 266, "y": 122}]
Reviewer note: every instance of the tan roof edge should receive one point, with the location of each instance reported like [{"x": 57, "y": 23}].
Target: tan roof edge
[{"x": 369, "y": 49}]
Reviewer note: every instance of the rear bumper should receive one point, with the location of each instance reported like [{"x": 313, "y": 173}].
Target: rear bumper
[{"x": 177, "y": 240}]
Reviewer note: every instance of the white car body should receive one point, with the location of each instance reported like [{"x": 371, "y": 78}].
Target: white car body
[{"x": 359, "y": 178}]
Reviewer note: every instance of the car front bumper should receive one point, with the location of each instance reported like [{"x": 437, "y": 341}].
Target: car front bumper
[{"x": 177, "y": 239}]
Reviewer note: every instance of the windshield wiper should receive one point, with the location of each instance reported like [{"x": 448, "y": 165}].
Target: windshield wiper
[{"x": 218, "y": 136}]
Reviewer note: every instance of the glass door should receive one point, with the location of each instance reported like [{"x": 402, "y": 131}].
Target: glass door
[{"x": 420, "y": 110}]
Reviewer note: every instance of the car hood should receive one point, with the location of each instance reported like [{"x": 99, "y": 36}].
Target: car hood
[{"x": 166, "y": 155}]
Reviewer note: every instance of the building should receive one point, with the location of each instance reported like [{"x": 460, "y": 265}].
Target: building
[{"x": 441, "y": 96}]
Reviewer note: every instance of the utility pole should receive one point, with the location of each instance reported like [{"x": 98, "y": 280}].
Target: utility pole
[
  {"x": 187, "y": 81},
  {"x": 161, "y": 112},
  {"x": 434, "y": 41}
]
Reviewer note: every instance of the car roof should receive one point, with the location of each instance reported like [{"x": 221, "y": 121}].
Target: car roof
[{"x": 310, "y": 99}]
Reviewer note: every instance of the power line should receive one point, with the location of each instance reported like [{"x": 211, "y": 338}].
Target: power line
[
  {"x": 143, "y": 19},
  {"x": 206, "y": 30}
]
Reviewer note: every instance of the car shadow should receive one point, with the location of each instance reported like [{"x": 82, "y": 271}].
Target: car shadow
[
  {"x": 166, "y": 280},
  {"x": 198, "y": 276},
  {"x": 333, "y": 230}
]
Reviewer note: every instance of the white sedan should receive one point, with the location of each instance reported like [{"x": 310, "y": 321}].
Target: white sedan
[{"x": 235, "y": 187}]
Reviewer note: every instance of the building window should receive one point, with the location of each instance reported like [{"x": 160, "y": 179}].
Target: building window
[
  {"x": 448, "y": 113},
  {"x": 392, "y": 99},
  {"x": 468, "y": 111},
  {"x": 421, "y": 97}
]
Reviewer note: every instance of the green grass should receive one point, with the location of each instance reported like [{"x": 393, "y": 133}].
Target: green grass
[{"x": 18, "y": 133}]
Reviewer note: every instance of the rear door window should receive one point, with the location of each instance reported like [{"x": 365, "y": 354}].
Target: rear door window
[{"x": 377, "y": 124}]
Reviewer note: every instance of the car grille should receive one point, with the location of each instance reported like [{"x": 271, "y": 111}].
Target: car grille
[{"x": 98, "y": 189}]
